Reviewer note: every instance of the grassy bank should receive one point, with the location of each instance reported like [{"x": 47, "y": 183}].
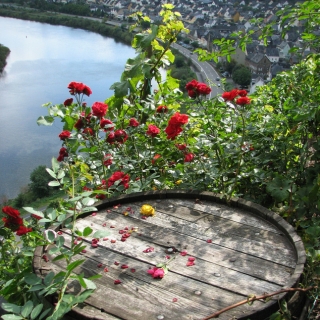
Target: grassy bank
[{"x": 4, "y": 52}]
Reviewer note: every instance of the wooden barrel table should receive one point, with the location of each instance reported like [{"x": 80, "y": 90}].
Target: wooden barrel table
[{"x": 219, "y": 254}]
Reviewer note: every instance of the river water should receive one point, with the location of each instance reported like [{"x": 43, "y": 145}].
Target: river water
[{"x": 44, "y": 59}]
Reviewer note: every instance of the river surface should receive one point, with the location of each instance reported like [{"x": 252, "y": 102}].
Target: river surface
[{"x": 44, "y": 59}]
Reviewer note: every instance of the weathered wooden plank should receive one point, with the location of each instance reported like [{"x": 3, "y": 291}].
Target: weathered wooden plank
[
  {"x": 245, "y": 254},
  {"x": 139, "y": 285},
  {"x": 225, "y": 220},
  {"x": 231, "y": 265},
  {"x": 153, "y": 229}
]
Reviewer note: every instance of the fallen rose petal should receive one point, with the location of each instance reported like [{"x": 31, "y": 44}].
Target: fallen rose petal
[
  {"x": 75, "y": 242},
  {"x": 105, "y": 239},
  {"x": 84, "y": 251},
  {"x": 149, "y": 249},
  {"x": 133, "y": 270},
  {"x": 174, "y": 300},
  {"x": 94, "y": 245},
  {"x": 117, "y": 281},
  {"x": 168, "y": 257},
  {"x": 191, "y": 259},
  {"x": 116, "y": 263},
  {"x": 94, "y": 214},
  {"x": 124, "y": 266},
  {"x": 112, "y": 226},
  {"x": 209, "y": 241},
  {"x": 126, "y": 228},
  {"x": 144, "y": 217},
  {"x": 123, "y": 239},
  {"x": 99, "y": 265},
  {"x": 183, "y": 253},
  {"x": 59, "y": 232},
  {"x": 79, "y": 238},
  {"x": 113, "y": 241},
  {"x": 121, "y": 231},
  {"x": 104, "y": 225},
  {"x": 190, "y": 263},
  {"x": 106, "y": 270}
]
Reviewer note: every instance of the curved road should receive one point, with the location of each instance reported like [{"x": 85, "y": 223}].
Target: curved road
[{"x": 208, "y": 72}]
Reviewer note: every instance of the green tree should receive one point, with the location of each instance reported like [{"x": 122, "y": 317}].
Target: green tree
[
  {"x": 39, "y": 182},
  {"x": 242, "y": 76}
]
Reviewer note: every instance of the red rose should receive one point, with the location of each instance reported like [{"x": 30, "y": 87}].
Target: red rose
[
  {"x": 178, "y": 119},
  {"x": 108, "y": 123},
  {"x": 120, "y": 136},
  {"x": 243, "y": 100},
  {"x": 64, "y": 135},
  {"x": 62, "y": 154},
  {"x": 156, "y": 272},
  {"x": 133, "y": 122},
  {"x": 23, "y": 230},
  {"x": 242, "y": 93},
  {"x": 229, "y": 96},
  {"x": 13, "y": 221},
  {"x": 79, "y": 124},
  {"x": 181, "y": 146},
  {"x": 11, "y": 212},
  {"x": 172, "y": 131},
  {"x": 107, "y": 161},
  {"x": 68, "y": 102},
  {"x": 155, "y": 158},
  {"x": 99, "y": 109},
  {"x": 188, "y": 157},
  {"x": 88, "y": 132},
  {"x": 192, "y": 94},
  {"x": 153, "y": 130},
  {"x": 203, "y": 89},
  {"x": 191, "y": 85},
  {"x": 111, "y": 138},
  {"x": 162, "y": 109},
  {"x": 78, "y": 88},
  {"x": 119, "y": 175}
]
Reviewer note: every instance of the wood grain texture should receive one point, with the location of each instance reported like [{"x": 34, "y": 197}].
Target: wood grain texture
[{"x": 247, "y": 253}]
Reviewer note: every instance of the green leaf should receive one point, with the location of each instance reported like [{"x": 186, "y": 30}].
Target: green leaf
[
  {"x": 51, "y": 235},
  {"x": 88, "y": 201},
  {"x": 36, "y": 311},
  {"x": 278, "y": 188},
  {"x": 55, "y": 164},
  {"x": 11, "y": 317},
  {"x": 54, "y": 183},
  {"x": 52, "y": 174},
  {"x": 45, "y": 121},
  {"x": 100, "y": 234},
  {"x": 44, "y": 313},
  {"x": 75, "y": 264},
  {"x": 32, "y": 279},
  {"x": 89, "y": 284},
  {"x": 60, "y": 241},
  {"x": 31, "y": 210},
  {"x": 120, "y": 88},
  {"x": 87, "y": 231},
  {"x": 36, "y": 287},
  {"x": 10, "y": 307},
  {"x": 26, "y": 309},
  {"x": 48, "y": 278}
]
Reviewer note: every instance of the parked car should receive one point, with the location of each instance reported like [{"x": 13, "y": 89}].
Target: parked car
[{"x": 218, "y": 79}]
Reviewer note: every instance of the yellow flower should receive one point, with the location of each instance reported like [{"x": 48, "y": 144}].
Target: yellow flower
[
  {"x": 178, "y": 182},
  {"x": 147, "y": 210},
  {"x": 125, "y": 213}
]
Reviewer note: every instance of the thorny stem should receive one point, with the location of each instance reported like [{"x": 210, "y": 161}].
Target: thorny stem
[{"x": 254, "y": 298}]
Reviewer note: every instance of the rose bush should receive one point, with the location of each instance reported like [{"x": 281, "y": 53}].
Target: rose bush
[{"x": 264, "y": 148}]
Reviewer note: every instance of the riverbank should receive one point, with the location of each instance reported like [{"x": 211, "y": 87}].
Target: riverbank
[{"x": 85, "y": 23}]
